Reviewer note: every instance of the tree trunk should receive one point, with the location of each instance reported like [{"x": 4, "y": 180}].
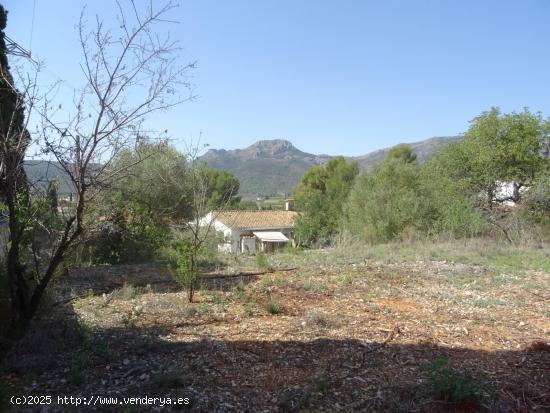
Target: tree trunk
[
  {"x": 19, "y": 290},
  {"x": 516, "y": 195}
]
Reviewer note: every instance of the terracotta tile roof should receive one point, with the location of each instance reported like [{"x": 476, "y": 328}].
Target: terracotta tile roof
[{"x": 257, "y": 219}]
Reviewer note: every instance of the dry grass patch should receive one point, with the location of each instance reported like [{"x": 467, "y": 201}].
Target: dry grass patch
[{"x": 353, "y": 329}]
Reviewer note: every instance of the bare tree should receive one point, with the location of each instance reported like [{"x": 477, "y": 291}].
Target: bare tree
[{"x": 129, "y": 73}]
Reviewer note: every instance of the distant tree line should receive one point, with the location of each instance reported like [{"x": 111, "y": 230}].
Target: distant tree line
[{"x": 465, "y": 190}]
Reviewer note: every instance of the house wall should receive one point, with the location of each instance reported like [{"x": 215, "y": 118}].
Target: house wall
[
  {"x": 249, "y": 245},
  {"x": 219, "y": 227}
]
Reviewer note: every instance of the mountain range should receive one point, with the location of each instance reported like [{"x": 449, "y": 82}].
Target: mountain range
[
  {"x": 271, "y": 167},
  {"x": 266, "y": 168}
]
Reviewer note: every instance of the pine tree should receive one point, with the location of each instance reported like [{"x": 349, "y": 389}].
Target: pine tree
[
  {"x": 14, "y": 193},
  {"x": 51, "y": 196}
]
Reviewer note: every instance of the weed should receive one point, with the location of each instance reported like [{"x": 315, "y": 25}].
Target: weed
[
  {"x": 126, "y": 292},
  {"x": 78, "y": 366},
  {"x": 374, "y": 308},
  {"x": 193, "y": 310},
  {"x": 82, "y": 357},
  {"x": 217, "y": 298},
  {"x": 322, "y": 383},
  {"x": 289, "y": 249},
  {"x": 249, "y": 309},
  {"x": 451, "y": 386},
  {"x": 281, "y": 282},
  {"x": 263, "y": 262},
  {"x": 127, "y": 320},
  {"x": 273, "y": 306},
  {"x": 347, "y": 280},
  {"x": 318, "y": 319},
  {"x": 309, "y": 285},
  {"x": 170, "y": 379},
  {"x": 238, "y": 292},
  {"x": 266, "y": 282},
  {"x": 488, "y": 302}
]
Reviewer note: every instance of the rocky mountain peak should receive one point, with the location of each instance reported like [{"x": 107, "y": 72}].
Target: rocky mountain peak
[{"x": 271, "y": 147}]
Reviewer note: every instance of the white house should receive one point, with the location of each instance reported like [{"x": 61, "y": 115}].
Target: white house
[
  {"x": 506, "y": 192},
  {"x": 251, "y": 231}
]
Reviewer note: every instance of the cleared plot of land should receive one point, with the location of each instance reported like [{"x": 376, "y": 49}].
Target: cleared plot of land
[{"x": 348, "y": 330}]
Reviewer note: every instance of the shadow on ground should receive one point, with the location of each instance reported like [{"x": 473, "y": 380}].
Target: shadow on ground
[
  {"x": 144, "y": 277},
  {"x": 60, "y": 357}
]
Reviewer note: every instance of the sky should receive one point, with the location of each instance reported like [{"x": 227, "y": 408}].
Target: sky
[{"x": 335, "y": 77}]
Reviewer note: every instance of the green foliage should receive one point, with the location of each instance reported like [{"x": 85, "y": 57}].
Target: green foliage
[
  {"x": 262, "y": 262},
  {"x": 81, "y": 358},
  {"x": 182, "y": 265},
  {"x": 320, "y": 197},
  {"x": 273, "y": 306},
  {"x": 51, "y": 195},
  {"x": 245, "y": 205},
  {"x": 403, "y": 152},
  {"x": 136, "y": 211},
  {"x": 537, "y": 199},
  {"x": 157, "y": 190},
  {"x": 451, "y": 386},
  {"x": 156, "y": 178},
  {"x": 497, "y": 148},
  {"x": 505, "y": 147},
  {"x": 347, "y": 280},
  {"x": 223, "y": 187},
  {"x": 399, "y": 197},
  {"x": 134, "y": 234}
]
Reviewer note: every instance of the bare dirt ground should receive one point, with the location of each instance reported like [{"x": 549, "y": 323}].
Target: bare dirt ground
[{"x": 347, "y": 330}]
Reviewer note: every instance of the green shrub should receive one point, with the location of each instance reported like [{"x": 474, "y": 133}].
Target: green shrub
[
  {"x": 134, "y": 238},
  {"x": 320, "y": 197},
  {"x": 273, "y": 306},
  {"x": 451, "y": 386},
  {"x": 262, "y": 262},
  {"x": 171, "y": 378},
  {"x": 289, "y": 249},
  {"x": 400, "y": 200},
  {"x": 182, "y": 264},
  {"x": 537, "y": 200},
  {"x": 347, "y": 280},
  {"x": 238, "y": 292}
]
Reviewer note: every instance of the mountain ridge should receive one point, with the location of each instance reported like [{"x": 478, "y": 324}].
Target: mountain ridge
[
  {"x": 275, "y": 166},
  {"x": 265, "y": 168}
]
